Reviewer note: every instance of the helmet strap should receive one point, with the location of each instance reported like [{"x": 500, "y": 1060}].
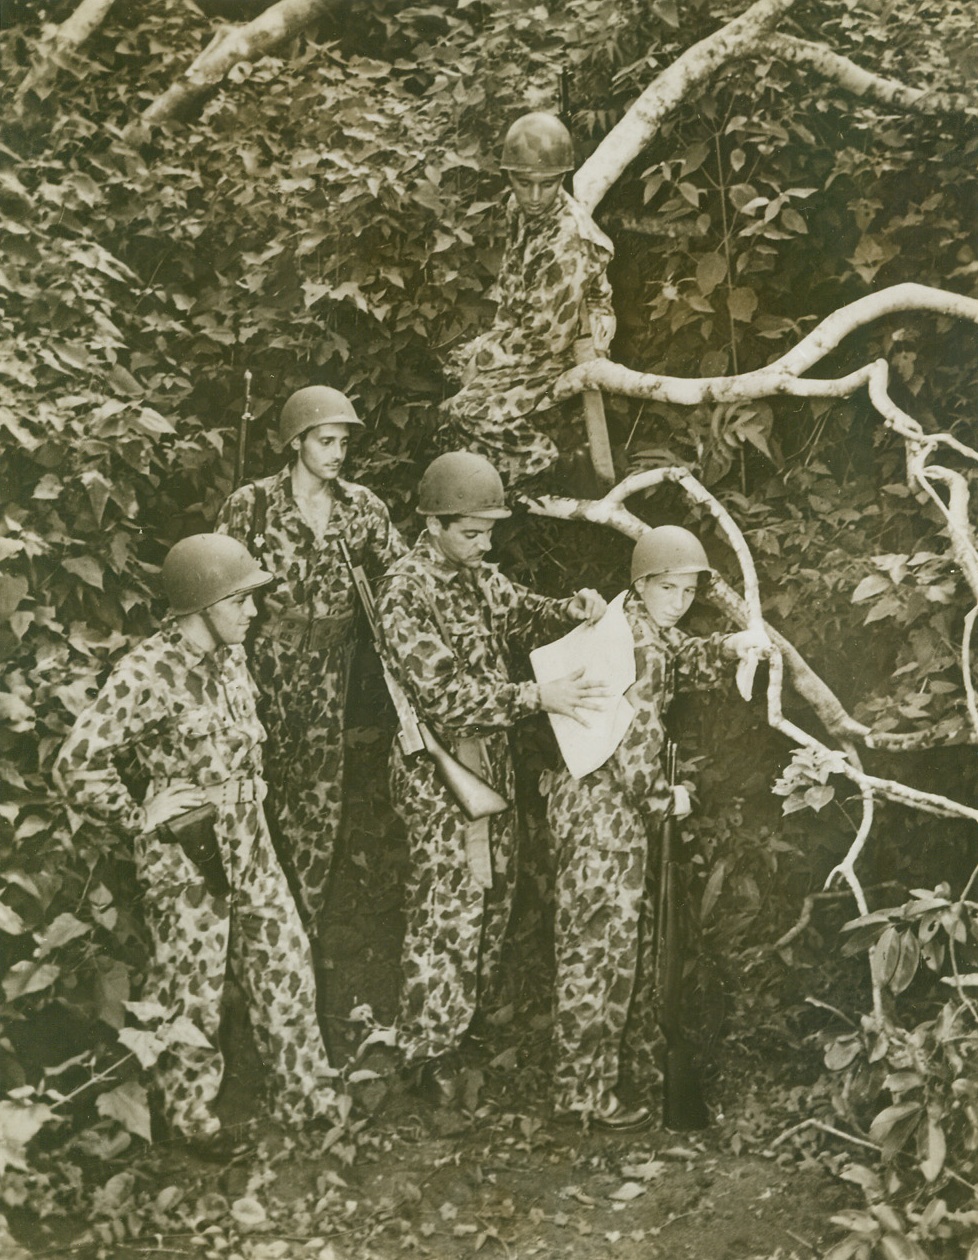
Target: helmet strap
[
  {"x": 188, "y": 627},
  {"x": 205, "y": 616}
]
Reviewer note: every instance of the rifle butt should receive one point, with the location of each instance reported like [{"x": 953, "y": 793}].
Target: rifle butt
[
  {"x": 683, "y": 1105},
  {"x": 474, "y": 796}
]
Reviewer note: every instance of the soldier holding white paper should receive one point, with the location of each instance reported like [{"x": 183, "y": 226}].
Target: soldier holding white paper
[{"x": 600, "y": 823}]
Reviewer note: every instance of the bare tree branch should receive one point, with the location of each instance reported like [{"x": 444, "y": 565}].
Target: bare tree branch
[
  {"x": 231, "y": 46},
  {"x": 750, "y": 35},
  {"x": 71, "y": 34},
  {"x": 859, "y": 82},
  {"x": 694, "y": 67},
  {"x": 782, "y": 376}
]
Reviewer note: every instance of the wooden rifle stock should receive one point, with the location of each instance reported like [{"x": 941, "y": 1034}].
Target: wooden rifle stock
[
  {"x": 598, "y": 442},
  {"x": 683, "y": 1107},
  {"x": 474, "y": 796}
]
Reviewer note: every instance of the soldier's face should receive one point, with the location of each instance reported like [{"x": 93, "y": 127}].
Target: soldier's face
[
  {"x": 667, "y": 596},
  {"x": 323, "y": 449},
  {"x": 464, "y": 543},
  {"x": 230, "y": 618},
  {"x": 535, "y": 194}
]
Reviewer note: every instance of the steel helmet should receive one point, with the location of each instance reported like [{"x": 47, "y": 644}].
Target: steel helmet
[
  {"x": 315, "y": 404},
  {"x": 205, "y": 568},
  {"x": 668, "y": 549},
  {"x": 462, "y": 483},
  {"x": 538, "y": 144}
]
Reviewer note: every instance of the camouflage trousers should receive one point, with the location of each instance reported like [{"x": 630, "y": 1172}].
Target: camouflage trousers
[
  {"x": 257, "y": 932},
  {"x": 303, "y": 709},
  {"x": 497, "y": 418},
  {"x": 605, "y": 1030},
  {"x": 454, "y": 929}
]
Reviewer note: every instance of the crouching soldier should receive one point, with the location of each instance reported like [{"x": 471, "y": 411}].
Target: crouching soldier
[
  {"x": 297, "y": 523},
  {"x": 214, "y": 894},
  {"x": 451, "y": 623},
  {"x": 551, "y": 290},
  {"x": 604, "y": 1007}
]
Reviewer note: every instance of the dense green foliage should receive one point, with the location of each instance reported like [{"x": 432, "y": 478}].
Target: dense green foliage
[{"x": 332, "y": 215}]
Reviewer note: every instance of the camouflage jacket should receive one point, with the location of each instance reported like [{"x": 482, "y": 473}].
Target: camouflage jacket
[
  {"x": 664, "y": 660},
  {"x": 462, "y": 687},
  {"x": 184, "y": 713},
  {"x": 551, "y": 266},
  {"x": 311, "y": 576}
]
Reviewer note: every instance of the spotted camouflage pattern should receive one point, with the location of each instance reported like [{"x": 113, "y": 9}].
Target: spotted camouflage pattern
[
  {"x": 605, "y": 1027},
  {"x": 455, "y": 930},
  {"x": 303, "y": 691},
  {"x": 191, "y": 716},
  {"x": 551, "y": 266}
]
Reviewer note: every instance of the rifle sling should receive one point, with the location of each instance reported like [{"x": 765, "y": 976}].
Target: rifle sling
[
  {"x": 259, "y": 514},
  {"x": 474, "y": 745},
  {"x": 472, "y": 752}
]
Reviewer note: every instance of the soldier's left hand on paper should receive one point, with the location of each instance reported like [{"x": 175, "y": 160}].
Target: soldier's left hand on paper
[{"x": 574, "y": 696}]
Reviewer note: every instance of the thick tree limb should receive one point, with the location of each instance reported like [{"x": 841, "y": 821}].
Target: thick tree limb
[
  {"x": 782, "y": 376},
  {"x": 750, "y": 35},
  {"x": 71, "y": 34},
  {"x": 236, "y": 44},
  {"x": 863, "y": 83},
  {"x": 677, "y": 83}
]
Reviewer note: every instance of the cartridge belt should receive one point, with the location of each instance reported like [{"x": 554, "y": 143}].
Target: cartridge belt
[
  {"x": 313, "y": 634},
  {"x": 236, "y": 791},
  {"x": 240, "y": 789}
]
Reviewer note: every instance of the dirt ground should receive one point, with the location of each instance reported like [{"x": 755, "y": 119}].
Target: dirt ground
[{"x": 491, "y": 1176}]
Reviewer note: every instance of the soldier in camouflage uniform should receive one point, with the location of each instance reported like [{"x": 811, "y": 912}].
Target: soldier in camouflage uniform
[
  {"x": 294, "y": 522},
  {"x": 552, "y": 272},
  {"x": 604, "y": 1012},
  {"x": 183, "y": 703},
  {"x": 450, "y": 623}
]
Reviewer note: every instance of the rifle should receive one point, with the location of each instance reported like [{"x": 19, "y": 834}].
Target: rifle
[
  {"x": 683, "y": 1107},
  {"x": 474, "y": 796},
  {"x": 246, "y": 418},
  {"x": 595, "y": 423}
]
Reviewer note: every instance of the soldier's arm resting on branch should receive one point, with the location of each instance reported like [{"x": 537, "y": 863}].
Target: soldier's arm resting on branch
[{"x": 744, "y": 643}]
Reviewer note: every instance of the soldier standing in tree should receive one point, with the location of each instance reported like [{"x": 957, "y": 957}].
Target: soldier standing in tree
[
  {"x": 295, "y": 521},
  {"x": 604, "y": 1013},
  {"x": 450, "y": 623},
  {"x": 183, "y": 703},
  {"x": 552, "y": 274}
]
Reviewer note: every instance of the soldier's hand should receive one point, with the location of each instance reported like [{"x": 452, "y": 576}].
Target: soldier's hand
[
  {"x": 587, "y": 605},
  {"x": 173, "y": 800},
  {"x": 682, "y": 806},
  {"x": 745, "y": 643},
  {"x": 573, "y": 696},
  {"x": 602, "y": 332}
]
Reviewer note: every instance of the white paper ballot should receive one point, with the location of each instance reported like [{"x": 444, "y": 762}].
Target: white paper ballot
[{"x": 607, "y": 653}]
